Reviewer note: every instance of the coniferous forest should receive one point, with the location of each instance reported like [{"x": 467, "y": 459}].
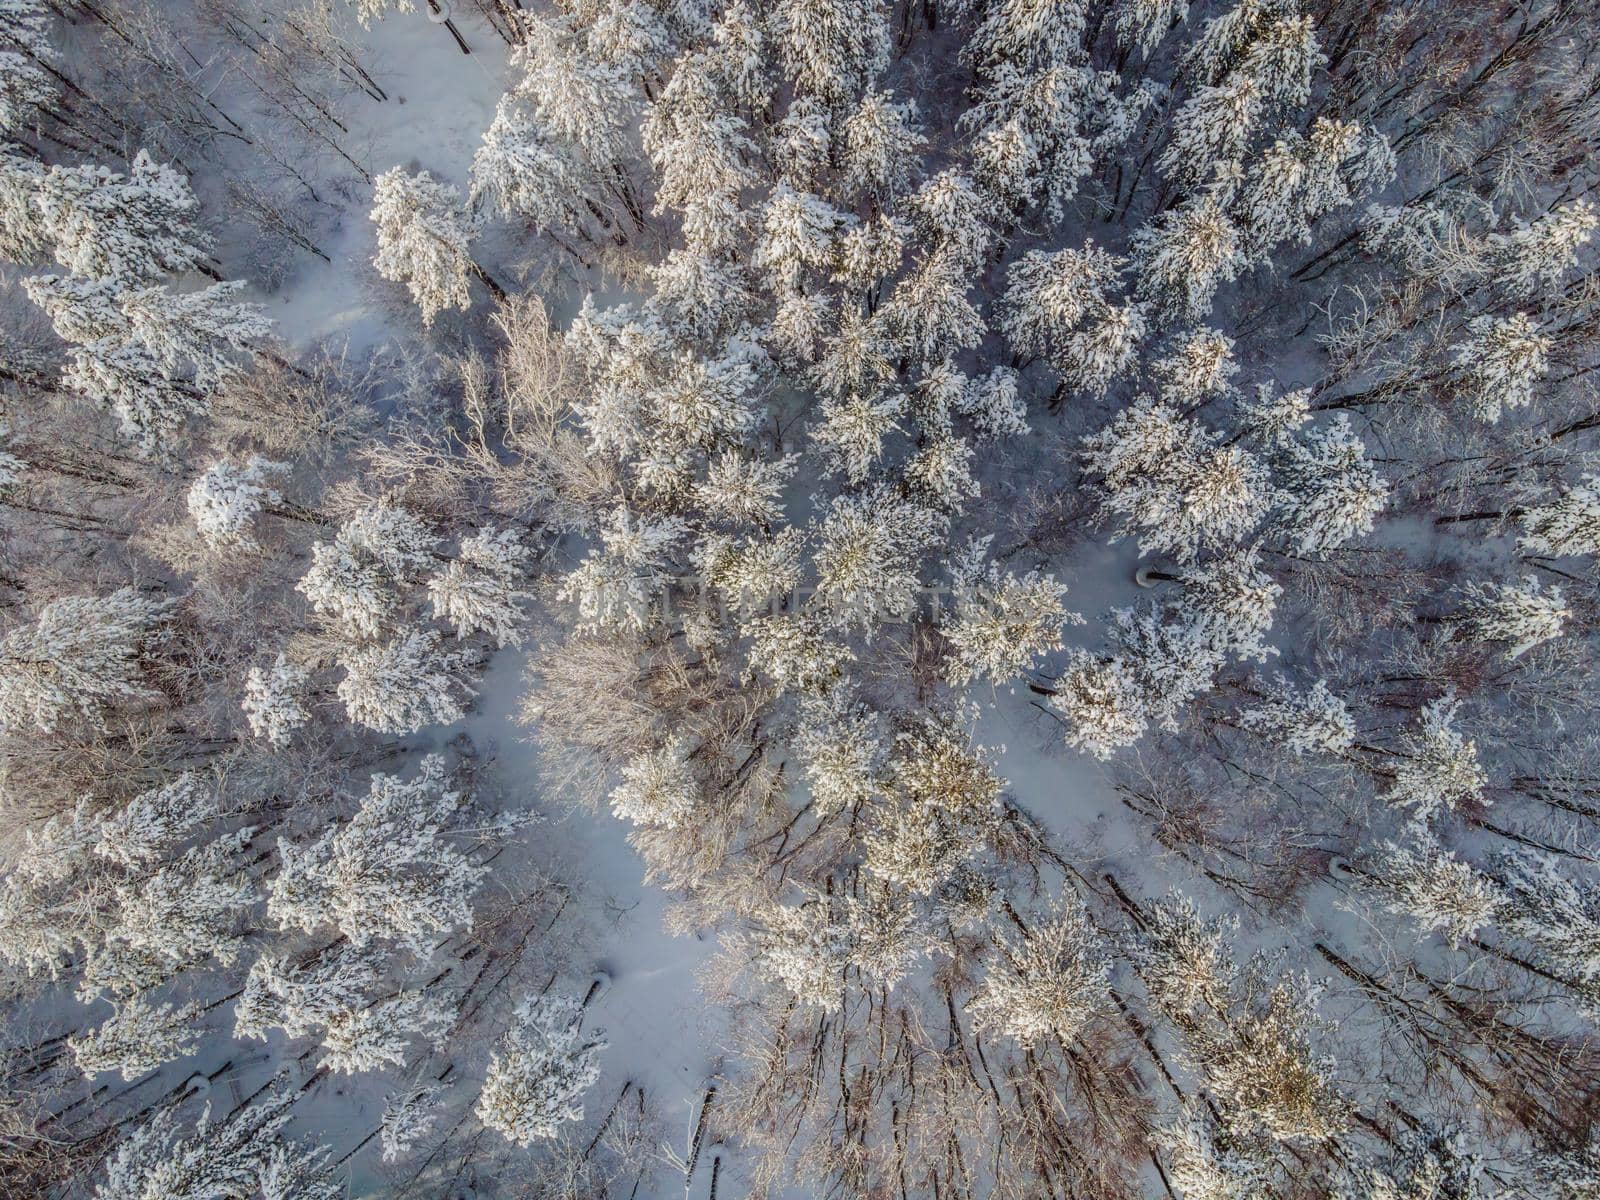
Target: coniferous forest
[{"x": 799, "y": 599}]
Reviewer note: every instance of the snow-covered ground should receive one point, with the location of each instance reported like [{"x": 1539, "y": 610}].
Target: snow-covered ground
[
  {"x": 440, "y": 102},
  {"x": 662, "y": 1035}
]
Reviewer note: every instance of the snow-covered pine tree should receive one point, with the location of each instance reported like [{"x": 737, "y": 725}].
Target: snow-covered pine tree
[
  {"x": 1268, "y": 40},
  {"x": 1100, "y": 701},
  {"x": 1230, "y": 602},
  {"x": 425, "y": 237},
  {"x": 46, "y": 908},
  {"x": 1199, "y": 366},
  {"x": 1006, "y": 168},
  {"x": 137, "y": 1038},
  {"x": 882, "y": 144},
  {"x": 188, "y": 910},
  {"x": 619, "y": 584},
  {"x": 1215, "y": 125},
  {"x": 146, "y": 829},
  {"x": 1030, "y": 36},
  {"x": 540, "y": 1071},
  {"x": 658, "y": 788},
  {"x": 1432, "y": 886},
  {"x": 701, "y": 151},
  {"x": 850, "y": 436},
  {"x": 1070, "y": 115},
  {"x": 1144, "y": 23},
  {"x": 1300, "y": 178},
  {"x": 80, "y": 310},
  {"x": 1047, "y": 982},
  {"x": 1171, "y": 662},
  {"x": 381, "y": 1033},
  {"x": 128, "y": 229},
  {"x": 408, "y": 1117},
  {"x": 394, "y": 870},
  {"x": 1184, "y": 959},
  {"x": 1560, "y": 919},
  {"x": 1261, "y": 1065},
  {"x": 1330, "y": 491},
  {"x": 1182, "y": 257},
  {"x": 931, "y": 311},
  {"x": 953, "y": 214},
  {"x": 939, "y": 473},
  {"x": 844, "y": 747},
  {"x": 1309, "y": 721},
  {"x": 201, "y": 333},
  {"x": 994, "y": 405},
  {"x": 1271, "y": 205},
  {"x": 355, "y": 580},
  {"x": 585, "y": 103},
  {"x": 802, "y": 142},
  {"x": 797, "y": 236},
  {"x": 1001, "y": 623},
  {"x": 1206, "y": 1162},
  {"x": 868, "y": 550},
  {"x": 23, "y": 239},
  {"x": 1569, "y": 523},
  {"x": 631, "y": 36},
  {"x": 1438, "y": 768},
  {"x": 78, "y": 657},
  {"x": 831, "y": 49},
  {"x": 244, "y": 1153},
  {"x": 1501, "y": 362},
  {"x": 226, "y": 498},
  {"x": 1521, "y": 615},
  {"x": 114, "y": 365},
  {"x": 1172, "y": 482},
  {"x": 941, "y": 806},
  {"x": 303, "y": 997},
  {"x": 130, "y": 380},
  {"x": 745, "y": 491},
  {"x": 477, "y": 591},
  {"x": 1425, "y": 1161},
  {"x": 1272, "y": 417},
  {"x": 1538, "y": 254},
  {"x": 752, "y": 574},
  {"x": 520, "y": 171},
  {"x": 26, "y": 60},
  {"x": 275, "y": 701},
  {"x": 740, "y": 56}
]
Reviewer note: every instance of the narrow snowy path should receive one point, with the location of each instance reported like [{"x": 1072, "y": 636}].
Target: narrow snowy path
[
  {"x": 440, "y": 102},
  {"x": 663, "y": 1037}
]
